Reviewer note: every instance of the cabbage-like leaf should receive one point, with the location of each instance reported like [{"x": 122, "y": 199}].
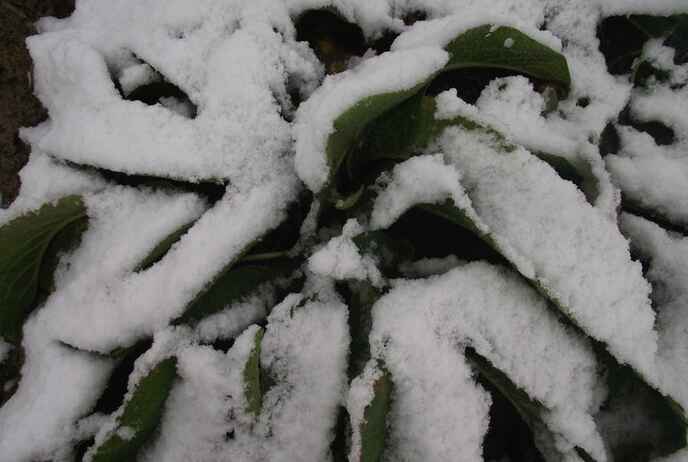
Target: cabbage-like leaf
[
  {"x": 24, "y": 243},
  {"x": 141, "y": 415}
]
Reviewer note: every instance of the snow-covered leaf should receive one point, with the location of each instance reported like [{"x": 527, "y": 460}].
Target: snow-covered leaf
[
  {"x": 140, "y": 415},
  {"x": 507, "y": 48},
  {"x": 23, "y": 245},
  {"x": 370, "y": 434},
  {"x": 252, "y": 382}
]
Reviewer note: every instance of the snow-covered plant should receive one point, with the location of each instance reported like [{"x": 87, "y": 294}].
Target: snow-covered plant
[{"x": 351, "y": 230}]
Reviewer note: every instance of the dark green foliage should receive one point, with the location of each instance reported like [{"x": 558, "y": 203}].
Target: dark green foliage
[
  {"x": 396, "y": 125},
  {"x": 251, "y": 373},
  {"x": 232, "y": 285},
  {"x": 24, "y": 245},
  {"x": 374, "y": 425},
  {"x": 141, "y": 414}
]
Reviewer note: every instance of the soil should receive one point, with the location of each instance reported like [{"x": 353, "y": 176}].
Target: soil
[{"x": 18, "y": 106}]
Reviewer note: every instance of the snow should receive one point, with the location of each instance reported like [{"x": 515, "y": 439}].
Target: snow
[
  {"x": 239, "y": 65},
  {"x": 419, "y": 180},
  {"x": 544, "y": 226},
  {"x": 304, "y": 351},
  {"x": 653, "y": 176},
  {"x": 341, "y": 259},
  {"x": 137, "y": 75},
  {"x": 58, "y": 386},
  {"x": 387, "y": 73},
  {"x": 667, "y": 256},
  {"x": 209, "y": 399},
  {"x": 124, "y": 226},
  {"x": 224, "y": 55},
  {"x": 44, "y": 180},
  {"x": 236, "y": 317},
  {"x": 421, "y": 327}
]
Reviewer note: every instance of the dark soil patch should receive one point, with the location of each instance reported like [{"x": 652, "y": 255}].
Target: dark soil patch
[{"x": 18, "y": 106}]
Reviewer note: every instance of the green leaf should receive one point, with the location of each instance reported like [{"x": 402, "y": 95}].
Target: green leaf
[
  {"x": 374, "y": 425},
  {"x": 66, "y": 240},
  {"x": 504, "y": 47},
  {"x": 666, "y": 425},
  {"x": 163, "y": 247},
  {"x": 360, "y": 296},
  {"x": 141, "y": 415},
  {"x": 653, "y": 26},
  {"x": 678, "y": 40},
  {"x": 24, "y": 243},
  {"x": 350, "y": 125},
  {"x": 400, "y": 124},
  {"x": 252, "y": 382},
  {"x": 232, "y": 285}
]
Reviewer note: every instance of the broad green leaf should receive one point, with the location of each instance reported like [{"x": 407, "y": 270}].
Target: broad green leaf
[
  {"x": 399, "y": 124},
  {"x": 232, "y": 286},
  {"x": 163, "y": 247},
  {"x": 374, "y": 425},
  {"x": 627, "y": 390},
  {"x": 24, "y": 243},
  {"x": 252, "y": 382},
  {"x": 504, "y": 47},
  {"x": 349, "y": 126},
  {"x": 141, "y": 415}
]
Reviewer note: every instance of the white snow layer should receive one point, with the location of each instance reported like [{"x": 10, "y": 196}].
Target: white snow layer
[
  {"x": 650, "y": 175},
  {"x": 224, "y": 55},
  {"x": 236, "y": 60},
  {"x": 304, "y": 351},
  {"x": 420, "y": 329},
  {"x": 667, "y": 257},
  {"x": 545, "y": 227}
]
